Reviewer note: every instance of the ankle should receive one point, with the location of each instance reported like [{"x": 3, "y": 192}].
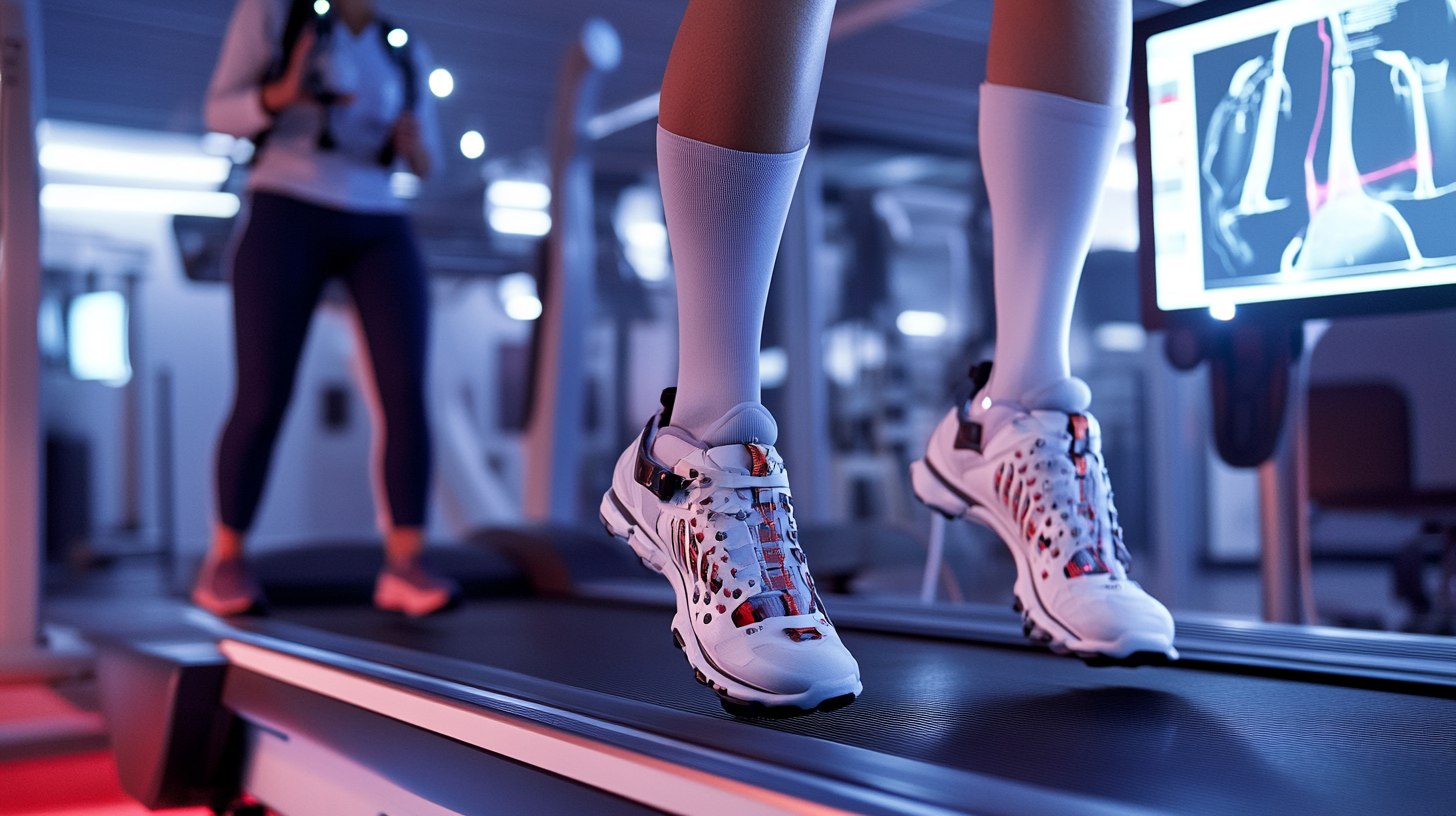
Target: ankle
[
  {"x": 227, "y": 544},
  {"x": 403, "y": 546}
]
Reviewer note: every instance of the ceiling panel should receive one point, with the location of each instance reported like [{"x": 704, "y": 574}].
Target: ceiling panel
[{"x": 146, "y": 63}]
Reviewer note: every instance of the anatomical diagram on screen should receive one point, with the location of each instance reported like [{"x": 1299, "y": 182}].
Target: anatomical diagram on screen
[{"x": 1329, "y": 147}]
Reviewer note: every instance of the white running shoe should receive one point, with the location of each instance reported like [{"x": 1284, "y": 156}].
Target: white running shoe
[
  {"x": 1037, "y": 478},
  {"x": 718, "y": 523}
]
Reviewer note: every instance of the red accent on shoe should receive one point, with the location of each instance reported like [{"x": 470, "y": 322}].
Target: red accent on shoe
[{"x": 759, "y": 458}]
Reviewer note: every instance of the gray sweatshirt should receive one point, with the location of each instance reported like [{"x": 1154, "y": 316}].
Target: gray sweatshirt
[{"x": 348, "y": 177}]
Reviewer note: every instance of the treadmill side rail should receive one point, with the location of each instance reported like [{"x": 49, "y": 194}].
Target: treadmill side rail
[{"x": 649, "y": 780}]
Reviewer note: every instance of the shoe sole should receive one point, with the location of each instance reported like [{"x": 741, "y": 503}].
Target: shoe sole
[
  {"x": 737, "y": 697},
  {"x": 225, "y": 609},
  {"x": 1037, "y": 624}
]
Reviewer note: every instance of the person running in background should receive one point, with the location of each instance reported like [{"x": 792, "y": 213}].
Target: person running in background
[
  {"x": 335, "y": 101},
  {"x": 703, "y": 497}
]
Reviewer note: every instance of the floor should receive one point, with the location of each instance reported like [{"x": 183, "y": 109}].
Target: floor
[
  {"x": 80, "y": 784},
  {"x": 54, "y": 759}
]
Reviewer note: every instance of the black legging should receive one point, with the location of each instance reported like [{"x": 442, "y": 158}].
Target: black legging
[{"x": 288, "y": 251}]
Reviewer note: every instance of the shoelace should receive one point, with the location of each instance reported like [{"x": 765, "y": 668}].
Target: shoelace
[
  {"x": 1042, "y": 485},
  {"x": 753, "y": 563}
]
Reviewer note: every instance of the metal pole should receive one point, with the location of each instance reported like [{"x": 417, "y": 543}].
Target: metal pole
[
  {"x": 23, "y": 655},
  {"x": 19, "y": 351},
  {"x": 554, "y": 434},
  {"x": 1178, "y": 433},
  {"x": 166, "y": 486},
  {"x": 804, "y": 420},
  {"x": 934, "y": 558},
  {"x": 1284, "y": 506}
]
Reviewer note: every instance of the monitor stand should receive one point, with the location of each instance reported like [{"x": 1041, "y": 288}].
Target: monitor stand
[
  {"x": 1259, "y": 378},
  {"x": 1284, "y": 512}
]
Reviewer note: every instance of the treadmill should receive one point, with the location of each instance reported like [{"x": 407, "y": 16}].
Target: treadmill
[
  {"x": 569, "y": 696},
  {"x": 580, "y": 703}
]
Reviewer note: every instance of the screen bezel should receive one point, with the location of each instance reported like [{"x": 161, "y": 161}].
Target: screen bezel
[{"x": 1420, "y": 298}]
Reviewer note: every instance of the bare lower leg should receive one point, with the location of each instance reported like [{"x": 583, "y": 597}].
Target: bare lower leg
[
  {"x": 403, "y": 545},
  {"x": 1091, "y": 41},
  {"x": 227, "y": 543},
  {"x": 744, "y": 74}
]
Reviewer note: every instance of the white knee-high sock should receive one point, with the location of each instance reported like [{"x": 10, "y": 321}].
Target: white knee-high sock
[
  {"x": 725, "y": 212},
  {"x": 1045, "y": 158}
]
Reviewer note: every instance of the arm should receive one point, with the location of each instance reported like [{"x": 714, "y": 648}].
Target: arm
[
  {"x": 417, "y": 136},
  {"x": 234, "y": 101}
]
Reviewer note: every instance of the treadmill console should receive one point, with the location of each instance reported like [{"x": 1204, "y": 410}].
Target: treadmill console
[{"x": 1297, "y": 158}]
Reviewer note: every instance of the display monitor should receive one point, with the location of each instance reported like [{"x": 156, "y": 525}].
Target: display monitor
[{"x": 1297, "y": 158}]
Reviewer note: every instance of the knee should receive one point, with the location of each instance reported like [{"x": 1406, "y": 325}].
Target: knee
[{"x": 259, "y": 410}]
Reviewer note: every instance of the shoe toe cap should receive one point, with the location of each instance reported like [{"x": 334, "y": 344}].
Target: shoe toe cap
[
  {"x": 1117, "y": 611},
  {"x": 780, "y": 665}
]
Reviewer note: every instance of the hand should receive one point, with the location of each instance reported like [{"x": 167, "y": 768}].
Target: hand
[
  {"x": 409, "y": 146},
  {"x": 288, "y": 89}
]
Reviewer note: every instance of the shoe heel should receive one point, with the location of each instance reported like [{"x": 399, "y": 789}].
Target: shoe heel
[
  {"x": 933, "y": 493},
  {"x": 619, "y": 527},
  {"x": 652, "y": 558},
  {"x": 612, "y": 518}
]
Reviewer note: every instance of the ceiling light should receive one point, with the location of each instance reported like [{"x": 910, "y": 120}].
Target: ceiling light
[
  {"x": 397, "y": 37},
  {"x": 517, "y": 293},
  {"x": 472, "y": 144},
  {"x": 512, "y": 221},
  {"x": 529, "y": 195},
  {"x": 321, "y": 7},
  {"x": 921, "y": 324},
  {"x": 441, "y": 83},
  {"x": 166, "y": 168},
  {"x": 138, "y": 200}
]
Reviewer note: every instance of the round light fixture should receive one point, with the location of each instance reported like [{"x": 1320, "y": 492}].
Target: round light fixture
[
  {"x": 472, "y": 144},
  {"x": 441, "y": 83}
]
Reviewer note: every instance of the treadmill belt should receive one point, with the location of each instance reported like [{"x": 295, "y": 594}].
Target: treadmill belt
[{"x": 1177, "y": 739}]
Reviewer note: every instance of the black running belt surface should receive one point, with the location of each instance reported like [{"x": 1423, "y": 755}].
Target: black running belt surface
[{"x": 1181, "y": 740}]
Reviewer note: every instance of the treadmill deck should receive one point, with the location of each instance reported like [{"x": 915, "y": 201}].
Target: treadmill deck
[{"x": 1170, "y": 739}]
